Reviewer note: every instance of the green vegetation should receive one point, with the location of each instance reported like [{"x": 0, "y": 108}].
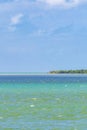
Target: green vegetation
[{"x": 68, "y": 71}]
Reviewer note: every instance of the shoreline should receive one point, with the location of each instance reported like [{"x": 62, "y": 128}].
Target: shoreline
[{"x": 45, "y": 74}]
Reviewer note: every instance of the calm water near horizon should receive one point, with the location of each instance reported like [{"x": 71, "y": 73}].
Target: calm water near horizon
[{"x": 43, "y": 102}]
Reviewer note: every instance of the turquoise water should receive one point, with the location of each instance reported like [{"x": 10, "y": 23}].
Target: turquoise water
[{"x": 46, "y": 102}]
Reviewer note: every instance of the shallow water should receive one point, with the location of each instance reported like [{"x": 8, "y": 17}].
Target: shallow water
[{"x": 50, "y": 102}]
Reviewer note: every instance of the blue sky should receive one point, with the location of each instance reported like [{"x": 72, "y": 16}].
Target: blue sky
[{"x": 43, "y": 35}]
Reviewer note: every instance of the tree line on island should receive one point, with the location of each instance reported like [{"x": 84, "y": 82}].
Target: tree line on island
[{"x": 82, "y": 71}]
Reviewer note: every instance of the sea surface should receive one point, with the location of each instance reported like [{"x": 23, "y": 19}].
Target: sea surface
[{"x": 43, "y": 102}]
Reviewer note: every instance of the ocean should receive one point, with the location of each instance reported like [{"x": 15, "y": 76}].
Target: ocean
[{"x": 43, "y": 102}]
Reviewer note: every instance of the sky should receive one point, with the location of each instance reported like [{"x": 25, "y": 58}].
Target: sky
[{"x": 43, "y": 35}]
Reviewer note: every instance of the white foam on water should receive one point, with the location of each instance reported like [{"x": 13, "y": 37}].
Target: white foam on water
[
  {"x": 32, "y": 105},
  {"x": 1, "y": 117},
  {"x": 60, "y": 116}
]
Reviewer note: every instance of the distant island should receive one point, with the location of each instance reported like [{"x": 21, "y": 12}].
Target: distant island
[{"x": 82, "y": 71}]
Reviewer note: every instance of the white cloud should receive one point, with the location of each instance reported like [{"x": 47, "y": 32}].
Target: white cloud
[
  {"x": 16, "y": 19},
  {"x": 63, "y": 3}
]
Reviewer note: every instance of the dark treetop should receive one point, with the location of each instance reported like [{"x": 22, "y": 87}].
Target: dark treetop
[{"x": 82, "y": 71}]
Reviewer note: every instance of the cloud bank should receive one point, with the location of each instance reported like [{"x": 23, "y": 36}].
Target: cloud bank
[{"x": 63, "y": 3}]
